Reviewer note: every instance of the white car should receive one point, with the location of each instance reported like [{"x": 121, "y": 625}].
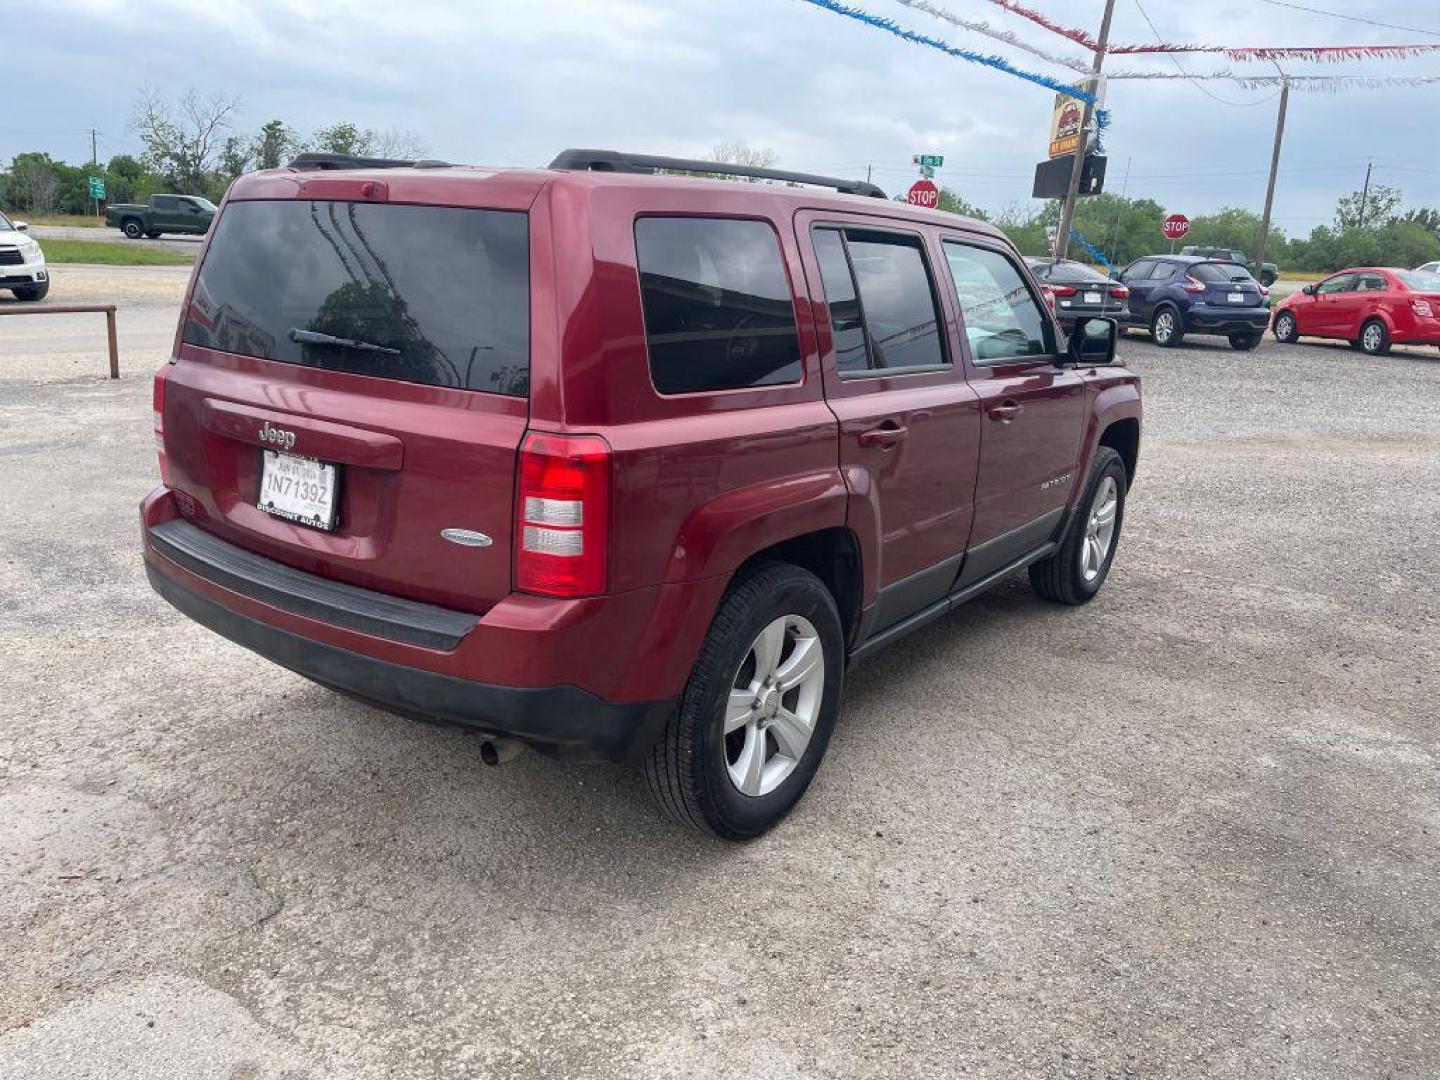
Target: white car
[
  {"x": 1430, "y": 267},
  {"x": 22, "y": 263}
]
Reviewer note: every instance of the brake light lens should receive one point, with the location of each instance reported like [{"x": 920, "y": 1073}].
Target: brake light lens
[
  {"x": 1119, "y": 292},
  {"x": 1062, "y": 290},
  {"x": 1191, "y": 285},
  {"x": 1264, "y": 290},
  {"x": 1049, "y": 294},
  {"x": 157, "y": 422},
  {"x": 562, "y": 515},
  {"x": 1423, "y": 308}
]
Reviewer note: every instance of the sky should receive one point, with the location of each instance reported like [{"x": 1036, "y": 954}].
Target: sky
[{"x": 512, "y": 83}]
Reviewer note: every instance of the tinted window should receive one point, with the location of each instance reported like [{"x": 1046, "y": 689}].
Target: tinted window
[
  {"x": 847, "y": 326},
  {"x": 1137, "y": 271},
  {"x": 422, "y": 293},
  {"x": 718, "y": 312},
  {"x": 1002, "y": 319},
  {"x": 1370, "y": 283},
  {"x": 165, "y": 202},
  {"x": 1338, "y": 283},
  {"x": 897, "y": 300},
  {"x": 1219, "y": 272},
  {"x": 1067, "y": 270},
  {"x": 1162, "y": 271}
]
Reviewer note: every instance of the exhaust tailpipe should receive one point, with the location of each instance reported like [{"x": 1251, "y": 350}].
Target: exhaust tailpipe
[{"x": 497, "y": 751}]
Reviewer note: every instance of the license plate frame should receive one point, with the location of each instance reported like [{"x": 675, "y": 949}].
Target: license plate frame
[{"x": 294, "y": 502}]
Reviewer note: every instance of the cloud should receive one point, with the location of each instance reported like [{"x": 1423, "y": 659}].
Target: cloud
[{"x": 505, "y": 82}]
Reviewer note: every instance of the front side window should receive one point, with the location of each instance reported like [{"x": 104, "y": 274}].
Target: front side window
[
  {"x": 1162, "y": 271},
  {"x": 424, "y": 294},
  {"x": 718, "y": 310},
  {"x": 1337, "y": 284},
  {"x": 1002, "y": 319},
  {"x": 1138, "y": 271}
]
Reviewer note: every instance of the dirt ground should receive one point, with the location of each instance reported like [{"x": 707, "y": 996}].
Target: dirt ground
[{"x": 1186, "y": 831}]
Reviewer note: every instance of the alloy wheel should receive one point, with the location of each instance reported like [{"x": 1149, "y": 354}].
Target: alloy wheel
[
  {"x": 773, "y": 705},
  {"x": 1164, "y": 326},
  {"x": 1373, "y": 337},
  {"x": 1099, "y": 528}
]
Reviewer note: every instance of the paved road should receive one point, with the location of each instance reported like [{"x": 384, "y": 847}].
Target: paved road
[
  {"x": 1186, "y": 831},
  {"x": 189, "y": 245}
]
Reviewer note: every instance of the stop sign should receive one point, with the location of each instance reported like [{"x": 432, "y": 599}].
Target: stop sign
[
  {"x": 924, "y": 193},
  {"x": 1175, "y": 226}
]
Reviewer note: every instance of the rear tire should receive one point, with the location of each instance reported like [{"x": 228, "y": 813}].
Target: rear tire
[
  {"x": 777, "y": 623},
  {"x": 1074, "y": 574},
  {"x": 1374, "y": 338},
  {"x": 1167, "y": 329},
  {"x": 31, "y": 293},
  {"x": 132, "y": 228},
  {"x": 1245, "y": 342},
  {"x": 1287, "y": 332}
]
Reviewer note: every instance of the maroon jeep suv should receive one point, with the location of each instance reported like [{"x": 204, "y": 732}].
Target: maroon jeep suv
[{"x": 616, "y": 463}]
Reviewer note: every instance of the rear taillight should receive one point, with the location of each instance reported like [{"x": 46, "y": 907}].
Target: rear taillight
[
  {"x": 562, "y": 515},
  {"x": 1423, "y": 308},
  {"x": 1119, "y": 292},
  {"x": 157, "y": 422},
  {"x": 1049, "y": 294},
  {"x": 1062, "y": 290},
  {"x": 1191, "y": 285}
]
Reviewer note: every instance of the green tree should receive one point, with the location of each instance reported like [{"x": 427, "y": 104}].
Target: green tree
[
  {"x": 275, "y": 145},
  {"x": 342, "y": 138},
  {"x": 184, "y": 139},
  {"x": 1367, "y": 209}
]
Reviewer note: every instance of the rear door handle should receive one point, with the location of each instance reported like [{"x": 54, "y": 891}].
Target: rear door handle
[
  {"x": 886, "y": 435},
  {"x": 1005, "y": 411}
]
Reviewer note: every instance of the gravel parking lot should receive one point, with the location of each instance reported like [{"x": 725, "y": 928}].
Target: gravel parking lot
[{"x": 1186, "y": 831}]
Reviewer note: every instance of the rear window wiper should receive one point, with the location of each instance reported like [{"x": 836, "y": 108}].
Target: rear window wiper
[{"x": 311, "y": 337}]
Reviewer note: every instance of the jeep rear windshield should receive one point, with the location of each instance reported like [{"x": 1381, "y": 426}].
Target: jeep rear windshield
[{"x": 423, "y": 294}]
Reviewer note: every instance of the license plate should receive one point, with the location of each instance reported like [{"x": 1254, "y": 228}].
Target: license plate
[
  {"x": 1092, "y": 298},
  {"x": 1237, "y": 298},
  {"x": 298, "y": 489}
]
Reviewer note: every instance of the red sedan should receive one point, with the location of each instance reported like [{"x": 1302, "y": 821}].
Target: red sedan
[{"x": 1371, "y": 307}]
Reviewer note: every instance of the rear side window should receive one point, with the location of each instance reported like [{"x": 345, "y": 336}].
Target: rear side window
[
  {"x": 718, "y": 310},
  {"x": 165, "y": 202},
  {"x": 422, "y": 294},
  {"x": 882, "y": 304}
]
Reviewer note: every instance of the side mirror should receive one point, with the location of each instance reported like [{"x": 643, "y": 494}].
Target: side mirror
[
  {"x": 1093, "y": 341},
  {"x": 21, "y": 226},
  {"x": 1308, "y": 290}
]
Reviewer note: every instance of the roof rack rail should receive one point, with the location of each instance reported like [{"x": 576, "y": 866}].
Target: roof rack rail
[
  {"x": 324, "y": 161},
  {"x": 614, "y": 161}
]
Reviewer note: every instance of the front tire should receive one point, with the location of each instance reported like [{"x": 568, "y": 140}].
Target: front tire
[
  {"x": 1166, "y": 328},
  {"x": 1244, "y": 342},
  {"x": 1374, "y": 338},
  {"x": 31, "y": 293},
  {"x": 1074, "y": 574},
  {"x": 1287, "y": 331},
  {"x": 757, "y": 712},
  {"x": 132, "y": 228}
]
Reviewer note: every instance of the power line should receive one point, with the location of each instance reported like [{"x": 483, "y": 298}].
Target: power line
[
  {"x": 1350, "y": 18},
  {"x": 1192, "y": 80}
]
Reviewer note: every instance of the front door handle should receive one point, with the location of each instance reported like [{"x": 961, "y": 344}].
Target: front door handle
[
  {"x": 885, "y": 436},
  {"x": 1005, "y": 411}
]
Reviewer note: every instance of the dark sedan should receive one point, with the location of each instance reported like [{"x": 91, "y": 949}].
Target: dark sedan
[{"x": 1080, "y": 290}]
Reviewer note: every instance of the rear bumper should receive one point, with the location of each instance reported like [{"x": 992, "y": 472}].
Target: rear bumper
[
  {"x": 1210, "y": 319},
  {"x": 1068, "y": 316},
  {"x": 309, "y": 625}
]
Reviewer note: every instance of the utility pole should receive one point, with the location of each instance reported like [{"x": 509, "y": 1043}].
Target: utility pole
[
  {"x": 1082, "y": 143},
  {"x": 1274, "y": 169},
  {"x": 1365, "y": 193},
  {"x": 867, "y": 171}
]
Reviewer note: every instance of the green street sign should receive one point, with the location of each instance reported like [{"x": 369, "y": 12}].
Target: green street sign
[
  {"x": 933, "y": 161},
  {"x": 927, "y": 171},
  {"x": 97, "y": 187}
]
